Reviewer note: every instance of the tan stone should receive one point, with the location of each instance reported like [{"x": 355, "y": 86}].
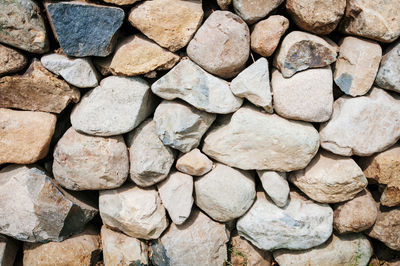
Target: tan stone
[
  {"x": 244, "y": 253},
  {"x": 121, "y": 2},
  {"x": 11, "y": 60},
  {"x": 25, "y": 136},
  {"x": 194, "y": 163},
  {"x": 138, "y": 55},
  {"x": 267, "y": 33},
  {"x": 254, "y": 10},
  {"x": 387, "y": 227},
  {"x": 357, "y": 65},
  {"x": 82, "y": 249},
  {"x": 224, "y": 4},
  {"x": 374, "y": 19},
  {"x": 36, "y": 90},
  {"x": 170, "y": 23},
  {"x": 319, "y": 17}
]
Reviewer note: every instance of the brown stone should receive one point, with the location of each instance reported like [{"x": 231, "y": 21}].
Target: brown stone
[
  {"x": 387, "y": 227},
  {"x": 25, "y": 136},
  {"x": 11, "y": 60},
  {"x": 36, "y": 90},
  {"x": 244, "y": 253}
]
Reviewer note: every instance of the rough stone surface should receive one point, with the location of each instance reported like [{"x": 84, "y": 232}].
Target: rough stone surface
[
  {"x": 8, "y": 250},
  {"x": 176, "y": 195},
  {"x": 387, "y": 227},
  {"x": 212, "y": 94},
  {"x": 180, "y": 125},
  {"x": 301, "y": 50},
  {"x": 250, "y": 139},
  {"x": 78, "y": 72},
  {"x": 357, "y": 65},
  {"x": 374, "y": 19},
  {"x": 36, "y": 90},
  {"x": 135, "y": 211},
  {"x": 253, "y": 84},
  {"x": 352, "y": 249},
  {"x": 305, "y": 96},
  {"x": 82, "y": 249},
  {"x": 170, "y": 23},
  {"x": 200, "y": 241},
  {"x": 138, "y": 55},
  {"x": 150, "y": 160},
  {"x": 276, "y": 186},
  {"x": 36, "y": 210},
  {"x": 194, "y": 163},
  {"x": 371, "y": 123},
  {"x": 319, "y": 17},
  {"x": 330, "y": 178},
  {"x": 84, "y": 29},
  {"x": 355, "y": 215},
  {"x": 244, "y": 253},
  {"x": 25, "y": 136},
  {"x": 117, "y": 106},
  {"x": 83, "y": 162},
  {"x": 252, "y": 11},
  {"x": 267, "y": 33},
  {"x": 225, "y": 193},
  {"x": 301, "y": 224},
  {"x": 120, "y": 249},
  {"x": 221, "y": 45},
  {"x": 388, "y": 76},
  {"x": 22, "y": 26},
  {"x": 11, "y": 60},
  {"x": 224, "y": 4}
]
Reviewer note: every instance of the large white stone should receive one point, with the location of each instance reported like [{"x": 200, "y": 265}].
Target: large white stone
[{"x": 276, "y": 186}]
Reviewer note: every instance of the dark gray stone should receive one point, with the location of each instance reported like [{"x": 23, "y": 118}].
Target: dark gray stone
[{"x": 85, "y": 29}]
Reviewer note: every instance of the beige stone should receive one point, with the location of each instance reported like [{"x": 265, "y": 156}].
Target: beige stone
[
  {"x": 138, "y": 55},
  {"x": 11, "y": 60},
  {"x": 194, "y": 163},
  {"x": 121, "y": 2},
  {"x": 24, "y": 135},
  {"x": 244, "y": 253},
  {"x": 267, "y": 33},
  {"x": 170, "y": 23},
  {"x": 373, "y": 19},
  {"x": 387, "y": 227},
  {"x": 276, "y": 186},
  {"x": 253, "y": 10},
  {"x": 224, "y": 4},
  {"x": 36, "y": 90},
  {"x": 301, "y": 50},
  {"x": 316, "y": 16},
  {"x": 357, "y": 65},
  {"x": 221, "y": 45}
]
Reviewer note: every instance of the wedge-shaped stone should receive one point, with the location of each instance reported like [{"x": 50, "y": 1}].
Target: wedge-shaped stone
[
  {"x": 276, "y": 186},
  {"x": 387, "y": 227},
  {"x": 11, "y": 60},
  {"x": 388, "y": 76},
  {"x": 252, "y": 11},
  {"x": 250, "y": 139}
]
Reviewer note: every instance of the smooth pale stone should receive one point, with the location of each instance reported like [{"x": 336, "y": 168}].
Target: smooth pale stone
[
  {"x": 301, "y": 224},
  {"x": 352, "y": 249},
  {"x": 84, "y": 29},
  {"x": 276, "y": 186},
  {"x": 150, "y": 160},
  {"x": 355, "y": 215},
  {"x": 22, "y": 26},
  {"x": 357, "y": 65},
  {"x": 221, "y": 45},
  {"x": 120, "y": 249},
  {"x": 11, "y": 60},
  {"x": 139, "y": 55},
  {"x": 133, "y": 210},
  {"x": 251, "y": 139},
  {"x": 78, "y": 72},
  {"x": 253, "y": 84},
  {"x": 8, "y": 250},
  {"x": 319, "y": 17},
  {"x": 170, "y": 23},
  {"x": 82, "y": 249},
  {"x": 225, "y": 193},
  {"x": 267, "y": 33},
  {"x": 176, "y": 195},
  {"x": 181, "y": 126},
  {"x": 83, "y": 162},
  {"x": 244, "y": 253},
  {"x": 194, "y": 163},
  {"x": 34, "y": 209},
  {"x": 306, "y": 96},
  {"x": 330, "y": 178},
  {"x": 252, "y": 11},
  {"x": 36, "y": 90},
  {"x": 25, "y": 136},
  {"x": 200, "y": 241},
  {"x": 373, "y": 19},
  {"x": 115, "y": 107},
  {"x": 370, "y": 123},
  {"x": 301, "y": 50},
  {"x": 388, "y": 76},
  {"x": 212, "y": 94}
]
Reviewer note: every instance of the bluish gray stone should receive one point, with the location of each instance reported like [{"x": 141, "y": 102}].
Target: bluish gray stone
[{"x": 85, "y": 29}]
